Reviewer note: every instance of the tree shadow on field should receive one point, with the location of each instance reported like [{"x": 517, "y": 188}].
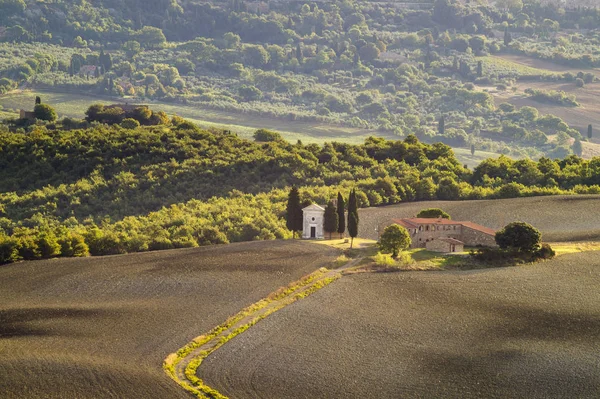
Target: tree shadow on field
[
  {"x": 526, "y": 352},
  {"x": 26, "y": 321}
]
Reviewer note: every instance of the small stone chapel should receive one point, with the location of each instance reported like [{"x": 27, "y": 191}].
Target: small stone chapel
[{"x": 313, "y": 222}]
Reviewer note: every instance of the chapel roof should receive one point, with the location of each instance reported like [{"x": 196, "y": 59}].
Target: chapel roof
[{"x": 314, "y": 207}]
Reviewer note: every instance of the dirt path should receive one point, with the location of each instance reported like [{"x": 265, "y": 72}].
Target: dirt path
[{"x": 182, "y": 366}]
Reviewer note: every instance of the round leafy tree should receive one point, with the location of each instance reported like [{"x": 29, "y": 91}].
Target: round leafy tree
[
  {"x": 130, "y": 123},
  {"x": 44, "y": 112},
  {"x": 433, "y": 213},
  {"x": 394, "y": 239},
  {"x": 519, "y": 236}
]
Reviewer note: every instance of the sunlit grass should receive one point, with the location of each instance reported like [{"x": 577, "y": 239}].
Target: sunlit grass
[{"x": 563, "y": 248}]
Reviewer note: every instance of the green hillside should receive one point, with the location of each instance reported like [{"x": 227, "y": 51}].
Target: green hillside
[{"x": 339, "y": 70}]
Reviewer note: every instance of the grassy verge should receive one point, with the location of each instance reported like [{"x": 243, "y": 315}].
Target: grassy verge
[
  {"x": 563, "y": 248},
  {"x": 274, "y": 302}
]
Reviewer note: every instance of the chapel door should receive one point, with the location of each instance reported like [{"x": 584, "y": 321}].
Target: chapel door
[{"x": 313, "y": 232}]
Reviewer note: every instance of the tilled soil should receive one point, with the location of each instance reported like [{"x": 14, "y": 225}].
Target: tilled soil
[
  {"x": 521, "y": 332},
  {"x": 559, "y": 218},
  {"x": 101, "y": 327}
]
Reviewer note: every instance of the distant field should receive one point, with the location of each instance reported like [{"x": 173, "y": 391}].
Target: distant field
[
  {"x": 559, "y": 218},
  {"x": 519, "y": 332},
  {"x": 101, "y": 327},
  {"x": 577, "y": 117},
  {"x": 540, "y": 65},
  {"x": 75, "y": 105}
]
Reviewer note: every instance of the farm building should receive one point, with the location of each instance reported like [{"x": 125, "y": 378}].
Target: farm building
[
  {"x": 444, "y": 235},
  {"x": 313, "y": 222}
]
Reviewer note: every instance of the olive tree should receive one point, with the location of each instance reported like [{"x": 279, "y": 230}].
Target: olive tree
[
  {"x": 394, "y": 239},
  {"x": 519, "y": 236}
]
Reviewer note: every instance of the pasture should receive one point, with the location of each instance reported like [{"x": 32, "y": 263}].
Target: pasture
[
  {"x": 101, "y": 327},
  {"x": 516, "y": 332},
  {"x": 559, "y": 218}
]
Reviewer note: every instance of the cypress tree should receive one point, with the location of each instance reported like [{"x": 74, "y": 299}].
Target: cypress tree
[
  {"x": 442, "y": 126},
  {"x": 331, "y": 219},
  {"x": 38, "y": 100},
  {"x": 472, "y": 149},
  {"x": 479, "y": 69},
  {"x": 589, "y": 131},
  {"x": 577, "y": 147},
  {"x": 299, "y": 55},
  {"x": 507, "y": 37},
  {"x": 341, "y": 215},
  {"x": 352, "y": 217},
  {"x": 294, "y": 212}
]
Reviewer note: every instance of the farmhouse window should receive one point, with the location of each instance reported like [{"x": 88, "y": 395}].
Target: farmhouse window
[{"x": 427, "y": 228}]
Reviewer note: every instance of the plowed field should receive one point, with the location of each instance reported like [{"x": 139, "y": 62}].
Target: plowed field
[
  {"x": 520, "y": 332},
  {"x": 101, "y": 327}
]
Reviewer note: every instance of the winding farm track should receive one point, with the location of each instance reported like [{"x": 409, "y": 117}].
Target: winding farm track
[{"x": 183, "y": 370}]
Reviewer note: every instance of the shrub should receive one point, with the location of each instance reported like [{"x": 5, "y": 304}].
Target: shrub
[
  {"x": 519, "y": 236},
  {"x": 546, "y": 252},
  {"x": 48, "y": 245},
  {"x": 73, "y": 244},
  {"x": 9, "y": 249},
  {"x": 44, "y": 112},
  {"x": 394, "y": 239},
  {"x": 130, "y": 123},
  {"x": 579, "y": 82},
  {"x": 433, "y": 213},
  {"x": 266, "y": 135},
  {"x": 383, "y": 259}
]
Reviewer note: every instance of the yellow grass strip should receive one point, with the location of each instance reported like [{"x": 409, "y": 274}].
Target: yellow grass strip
[{"x": 202, "y": 346}]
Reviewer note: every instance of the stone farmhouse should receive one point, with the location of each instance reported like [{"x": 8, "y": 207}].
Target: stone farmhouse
[
  {"x": 443, "y": 235},
  {"x": 313, "y": 222}
]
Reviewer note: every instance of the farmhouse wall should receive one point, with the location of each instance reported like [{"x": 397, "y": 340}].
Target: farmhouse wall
[
  {"x": 474, "y": 238},
  {"x": 421, "y": 237},
  {"x": 438, "y": 246},
  {"x": 443, "y": 246}
]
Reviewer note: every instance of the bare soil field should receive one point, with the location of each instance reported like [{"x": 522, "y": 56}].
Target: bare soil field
[
  {"x": 519, "y": 332},
  {"x": 559, "y": 218},
  {"x": 101, "y": 327}
]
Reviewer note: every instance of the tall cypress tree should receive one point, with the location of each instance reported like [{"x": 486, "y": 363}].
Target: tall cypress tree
[
  {"x": 352, "y": 217},
  {"x": 341, "y": 215},
  {"x": 294, "y": 212},
  {"x": 589, "y": 131},
  {"x": 331, "y": 219},
  {"x": 299, "y": 55},
  {"x": 441, "y": 125},
  {"x": 507, "y": 37}
]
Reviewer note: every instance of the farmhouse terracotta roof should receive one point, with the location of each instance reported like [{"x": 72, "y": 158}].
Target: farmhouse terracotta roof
[{"x": 413, "y": 223}]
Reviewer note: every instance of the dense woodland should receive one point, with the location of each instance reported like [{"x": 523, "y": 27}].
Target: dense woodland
[
  {"x": 361, "y": 64},
  {"x": 109, "y": 189}
]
